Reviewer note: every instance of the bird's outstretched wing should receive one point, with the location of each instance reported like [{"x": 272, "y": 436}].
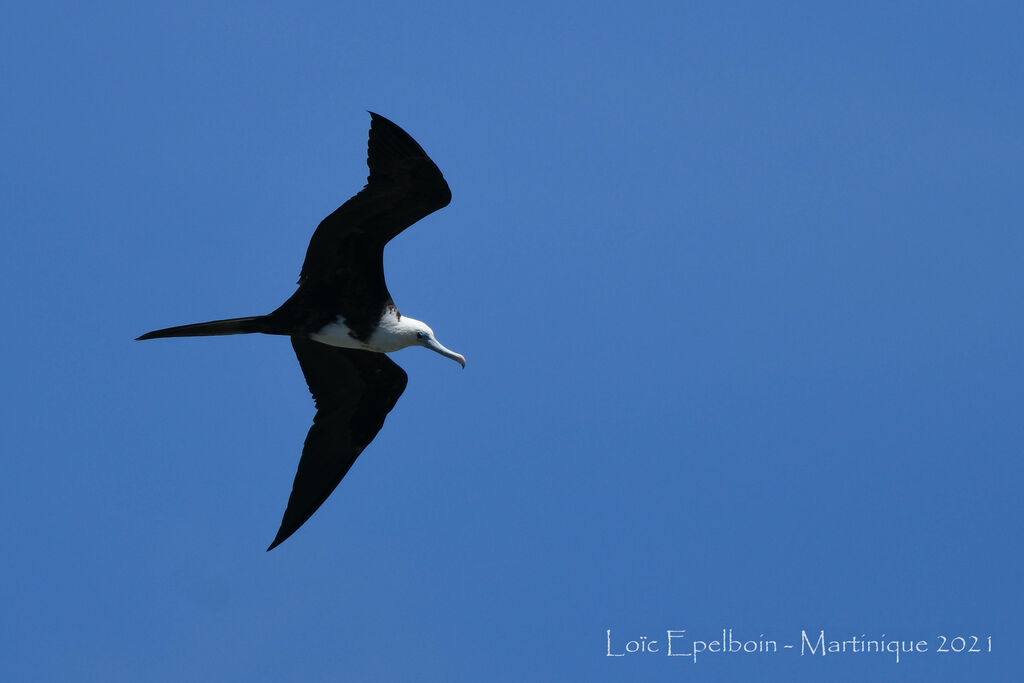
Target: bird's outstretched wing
[
  {"x": 404, "y": 185},
  {"x": 354, "y": 391}
]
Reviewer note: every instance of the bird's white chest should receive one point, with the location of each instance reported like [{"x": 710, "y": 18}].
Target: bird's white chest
[{"x": 387, "y": 337}]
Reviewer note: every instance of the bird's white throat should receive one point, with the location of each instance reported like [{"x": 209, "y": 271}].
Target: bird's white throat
[{"x": 393, "y": 332}]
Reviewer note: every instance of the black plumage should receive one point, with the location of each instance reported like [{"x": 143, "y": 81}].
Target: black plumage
[{"x": 354, "y": 391}]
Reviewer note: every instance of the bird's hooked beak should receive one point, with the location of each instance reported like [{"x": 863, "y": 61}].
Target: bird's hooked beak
[{"x": 435, "y": 345}]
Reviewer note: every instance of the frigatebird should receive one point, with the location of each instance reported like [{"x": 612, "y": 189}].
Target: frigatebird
[{"x": 342, "y": 320}]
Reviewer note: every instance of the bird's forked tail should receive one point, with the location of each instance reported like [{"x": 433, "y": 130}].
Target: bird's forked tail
[{"x": 214, "y": 327}]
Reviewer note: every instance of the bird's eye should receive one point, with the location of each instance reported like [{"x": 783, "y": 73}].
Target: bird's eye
[{"x": 421, "y": 335}]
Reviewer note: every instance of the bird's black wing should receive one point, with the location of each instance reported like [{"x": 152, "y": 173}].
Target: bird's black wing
[
  {"x": 404, "y": 185},
  {"x": 354, "y": 391}
]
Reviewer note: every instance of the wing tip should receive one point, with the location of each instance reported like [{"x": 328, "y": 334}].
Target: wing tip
[
  {"x": 280, "y": 538},
  {"x": 393, "y": 156}
]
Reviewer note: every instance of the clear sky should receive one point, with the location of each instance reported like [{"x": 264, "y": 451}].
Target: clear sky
[{"x": 739, "y": 286}]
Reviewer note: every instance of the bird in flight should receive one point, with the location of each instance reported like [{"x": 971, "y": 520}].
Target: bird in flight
[{"x": 342, "y": 320}]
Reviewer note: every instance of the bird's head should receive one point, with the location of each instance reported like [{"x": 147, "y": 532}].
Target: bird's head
[{"x": 424, "y": 336}]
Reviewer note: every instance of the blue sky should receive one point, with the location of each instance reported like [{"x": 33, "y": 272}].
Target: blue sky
[{"x": 738, "y": 285}]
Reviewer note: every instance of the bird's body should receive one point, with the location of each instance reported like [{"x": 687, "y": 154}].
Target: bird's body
[{"x": 342, "y": 320}]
